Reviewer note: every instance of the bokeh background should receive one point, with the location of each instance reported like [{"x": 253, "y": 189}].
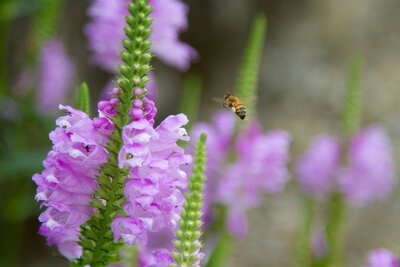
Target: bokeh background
[{"x": 307, "y": 54}]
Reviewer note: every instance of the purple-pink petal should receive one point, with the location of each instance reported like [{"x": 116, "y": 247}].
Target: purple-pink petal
[
  {"x": 317, "y": 168},
  {"x": 68, "y": 181},
  {"x": 155, "y": 183},
  {"x": 369, "y": 174},
  {"x": 56, "y": 73},
  {"x": 382, "y": 258},
  {"x": 105, "y": 32}
]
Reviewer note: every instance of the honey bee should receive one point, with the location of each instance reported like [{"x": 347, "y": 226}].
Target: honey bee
[{"x": 234, "y": 104}]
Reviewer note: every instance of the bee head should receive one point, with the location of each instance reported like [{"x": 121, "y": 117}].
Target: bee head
[{"x": 227, "y": 96}]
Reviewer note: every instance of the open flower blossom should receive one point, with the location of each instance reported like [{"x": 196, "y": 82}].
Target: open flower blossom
[
  {"x": 260, "y": 166},
  {"x": 155, "y": 182},
  {"x": 382, "y": 258},
  {"x": 105, "y": 32},
  {"x": 56, "y": 72},
  {"x": 368, "y": 175},
  {"x": 68, "y": 181}
]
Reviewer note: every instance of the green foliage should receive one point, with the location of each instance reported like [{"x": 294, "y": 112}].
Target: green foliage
[
  {"x": 221, "y": 250},
  {"x": 352, "y": 105},
  {"x": 128, "y": 256},
  {"x": 4, "y": 34},
  {"x": 96, "y": 235},
  {"x": 188, "y": 237},
  {"x": 190, "y": 100},
  {"x": 83, "y": 99},
  {"x": 248, "y": 74},
  {"x": 44, "y": 26}
]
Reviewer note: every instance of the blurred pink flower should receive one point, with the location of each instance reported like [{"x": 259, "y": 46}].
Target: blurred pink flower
[
  {"x": 382, "y": 258},
  {"x": 368, "y": 176},
  {"x": 370, "y": 173},
  {"x": 105, "y": 32},
  {"x": 259, "y": 167},
  {"x": 56, "y": 73},
  {"x": 317, "y": 168}
]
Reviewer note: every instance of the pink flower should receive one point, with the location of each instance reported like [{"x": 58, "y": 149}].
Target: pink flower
[
  {"x": 259, "y": 167},
  {"x": 382, "y": 258},
  {"x": 368, "y": 176},
  {"x": 317, "y": 168},
  {"x": 105, "y": 32},
  {"x": 155, "y": 258},
  {"x": 155, "y": 183},
  {"x": 68, "y": 180},
  {"x": 56, "y": 73},
  {"x": 370, "y": 172}
]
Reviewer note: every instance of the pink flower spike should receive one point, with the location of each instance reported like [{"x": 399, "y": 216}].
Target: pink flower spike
[{"x": 370, "y": 173}]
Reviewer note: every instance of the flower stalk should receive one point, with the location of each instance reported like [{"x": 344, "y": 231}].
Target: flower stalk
[
  {"x": 248, "y": 74},
  {"x": 188, "y": 243},
  {"x": 96, "y": 235},
  {"x": 337, "y": 206}
]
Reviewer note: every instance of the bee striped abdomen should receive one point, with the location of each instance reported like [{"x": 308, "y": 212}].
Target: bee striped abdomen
[{"x": 241, "y": 111}]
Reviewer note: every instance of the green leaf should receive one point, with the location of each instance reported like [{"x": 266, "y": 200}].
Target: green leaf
[
  {"x": 248, "y": 74},
  {"x": 83, "y": 99}
]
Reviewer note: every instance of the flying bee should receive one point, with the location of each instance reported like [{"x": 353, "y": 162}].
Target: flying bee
[{"x": 234, "y": 104}]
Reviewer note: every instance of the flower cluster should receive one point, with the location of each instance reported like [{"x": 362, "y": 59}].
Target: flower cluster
[
  {"x": 56, "y": 73},
  {"x": 105, "y": 32},
  {"x": 259, "y": 167},
  {"x": 369, "y": 174},
  {"x": 68, "y": 181},
  {"x": 382, "y": 258},
  {"x": 155, "y": 181}
]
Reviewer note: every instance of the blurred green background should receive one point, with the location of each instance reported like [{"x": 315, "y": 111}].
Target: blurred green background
[{"x": 307, "y": 54}]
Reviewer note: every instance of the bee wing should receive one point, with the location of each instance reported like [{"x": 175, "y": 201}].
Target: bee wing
[{"x": 217, "y": 100}]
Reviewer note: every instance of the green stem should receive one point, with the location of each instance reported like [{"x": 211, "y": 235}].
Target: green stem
[
  {"x": 248, "y": 74},
  {"x": 96, "y": 235},
  {"x": 303, "y": 253},
  {"x": 335, "y": 231},
  {"x": 351, "y": 118},
  {"x": 221, "y": 251},
  {"x": 83, "y": 98}
]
